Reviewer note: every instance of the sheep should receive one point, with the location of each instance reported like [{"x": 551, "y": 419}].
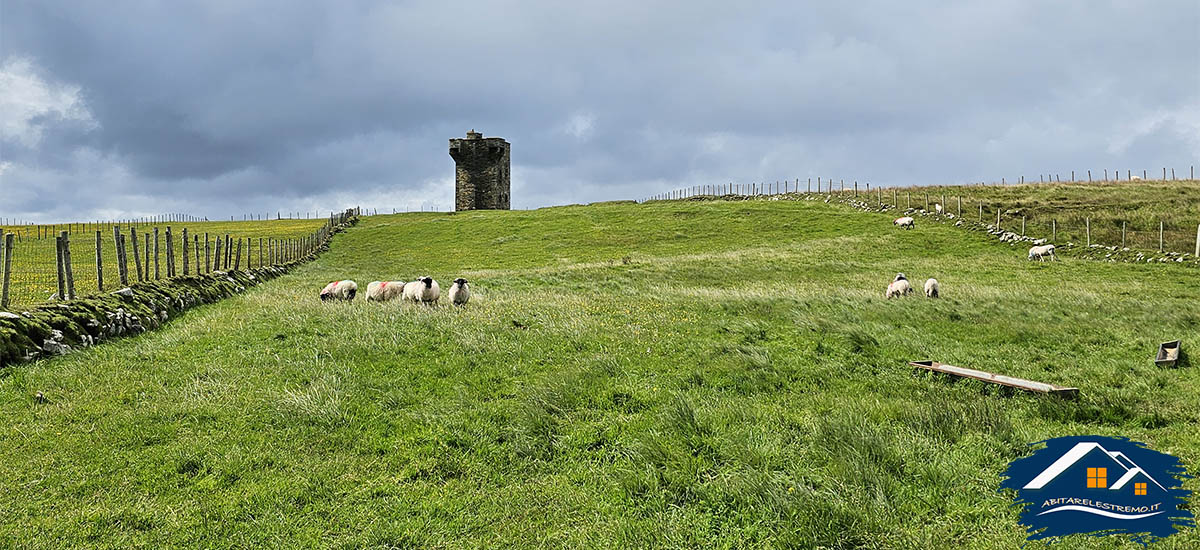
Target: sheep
[
  {"x": 460, "y": 292},
  {"x": 905, "y": 222},
  {"x": 339, "y": 290},
  {"x": 899, "y": 287},
  {"x": 932, "y": 288},
  {"x": 938, "y": 207},
  {"x": 424, "y": 290},
  {"x": 383, "y": 291},
  {"x": 1040, "y": 252}
]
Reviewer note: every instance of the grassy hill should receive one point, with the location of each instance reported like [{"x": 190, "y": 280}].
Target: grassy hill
[
  {"x": 1067, "y": 208},
  {"x": 675, "y": 374}
]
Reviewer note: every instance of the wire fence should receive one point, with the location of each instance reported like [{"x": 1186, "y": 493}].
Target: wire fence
[
  {"x": 62, "y": 262},
  {"x": 1115, "y": 224}
]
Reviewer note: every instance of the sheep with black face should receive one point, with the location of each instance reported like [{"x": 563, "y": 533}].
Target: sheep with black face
[
  {"x": 424, "y": 290},
  {"x": 898, "y": 287},
  {"x": 339, "y": 290},
  {"x": 460, "y": 292}
]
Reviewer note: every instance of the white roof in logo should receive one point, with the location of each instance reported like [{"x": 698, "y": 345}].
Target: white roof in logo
[{"x": 1080, "y": 450}]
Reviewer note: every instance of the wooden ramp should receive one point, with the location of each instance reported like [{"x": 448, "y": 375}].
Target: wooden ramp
[{"x": 1020, "y": 383}]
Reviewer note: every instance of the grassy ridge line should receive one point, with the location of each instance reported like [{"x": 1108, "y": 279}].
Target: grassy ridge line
[{"x": 739, "y": 382}]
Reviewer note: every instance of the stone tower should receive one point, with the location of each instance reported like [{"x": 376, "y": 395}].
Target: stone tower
[{"x": 481, "y": 172}]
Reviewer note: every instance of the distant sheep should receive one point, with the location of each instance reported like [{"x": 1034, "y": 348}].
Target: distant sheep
[
  {"x": 384, "y": 291},
  {"x": 932, "y": 288},
  {"x": 339, "y": 290},
  {"x": 905, "y": 222},
  {"x": 424, "y": 290},
  {"x": 460, "y": 292},
  {"x": 1040, "y": 252},
  {"x": 938, "y": 207},
  {"x": 899, "y": 287}
]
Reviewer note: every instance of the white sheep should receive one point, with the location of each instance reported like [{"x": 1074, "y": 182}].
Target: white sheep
[
  {"x": 460, "y": 292},
  {"x": 1040, "y": 252},
  {"x": 383, "y": 291},
  {"x": 938, "y": 207},
  {"x": 905, "y": 222},
  {"x": 339, "y": 290},
  {"x": 424, "y": 290},
  {"x": 898, "y": 287},
  {"x": 932, "y": 288}
]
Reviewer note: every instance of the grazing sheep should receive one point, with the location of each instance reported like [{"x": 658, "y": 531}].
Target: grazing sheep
[
  {"x": 460, "y": 292},
  {"x": 938, "y": 207},
  {"x": 339, "y": 290},
  {"x": 383, "y": 291},
  {"x": 905, "y": 222},
  {"x": 424, "y": 290},
  {"x": 932, "y": 288},
  {"x": 899, "y": 287},
  {"x": 1040, "y": 252}
]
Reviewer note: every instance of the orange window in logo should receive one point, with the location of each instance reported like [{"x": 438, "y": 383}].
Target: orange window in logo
[
  {"x": 1139, "y": 488},
  {"x": 1097, "y": 478}
]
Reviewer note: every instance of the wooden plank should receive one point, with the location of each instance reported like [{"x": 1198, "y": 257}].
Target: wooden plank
[{"x": 1020, "y": 383}]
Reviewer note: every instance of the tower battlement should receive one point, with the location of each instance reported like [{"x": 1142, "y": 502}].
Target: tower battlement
[{"x": 481, "y": 173}]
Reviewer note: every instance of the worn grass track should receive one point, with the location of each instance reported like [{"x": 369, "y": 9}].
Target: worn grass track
[{"x": 674, "y": 374}]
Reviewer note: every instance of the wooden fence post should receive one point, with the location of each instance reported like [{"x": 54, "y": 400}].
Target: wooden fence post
[
  {"x": 157, "y": 271},
  {"x": 58, "y": 262},
  {"x": 137, "y": 256},
  {"x": 184, "y": 247},
  {"x": 895, "y": 202},
  {"x": 960, "y": 206},
  {"x": 1022, "y": 226},
  {"x": 146, "y": 252},
  {"x": 1054, "y": 231},
  {"x": 998, "y": 209},
  {"x": 99, "y": 264},
  {"x": 122, "y": 255},
  {"x": 228, "y": 252},
  {"x": 980, "y": 211},
  {"x": 1160, "y": 236},
  {"x": 216, "y": 265},
  {"x": 66, "y": 240},
  {"x": 237, "y": 260},
  {"x": 170, "y": 253},
  {"x": 926, "y": 201},
  {"x": 1122, "y": 234},
  {"x": 207, "y": 255},
  {"x": 1088, "y": 224},
  {"x": 1197, "y": 254},
  {"x": 908, "y": 199},
  {"x": 6, "y": 257},
  {"x": 196, "y": 251}
]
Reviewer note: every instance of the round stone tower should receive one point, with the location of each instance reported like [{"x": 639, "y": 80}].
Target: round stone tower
[{"x": 481, "y": 172}]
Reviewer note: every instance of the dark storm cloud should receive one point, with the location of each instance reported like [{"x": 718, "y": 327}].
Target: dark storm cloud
[{"x": 219, "y": 108}]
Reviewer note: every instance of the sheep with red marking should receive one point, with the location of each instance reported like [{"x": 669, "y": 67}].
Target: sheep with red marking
[
  {"x": 384, "y": 291},
  {"x": 339, "y": 290}
]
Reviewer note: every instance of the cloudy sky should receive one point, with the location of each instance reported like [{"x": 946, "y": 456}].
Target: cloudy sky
[{"x": 218, "y": 108}]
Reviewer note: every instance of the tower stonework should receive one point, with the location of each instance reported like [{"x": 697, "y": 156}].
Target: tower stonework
[{"x": 481, "y": 172}]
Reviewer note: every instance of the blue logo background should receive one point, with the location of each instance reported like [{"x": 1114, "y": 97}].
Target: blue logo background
[{"x": 1099, "y": 486}]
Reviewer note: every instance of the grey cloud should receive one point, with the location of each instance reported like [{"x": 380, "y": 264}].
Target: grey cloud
[{"x": 219, "y": 108}]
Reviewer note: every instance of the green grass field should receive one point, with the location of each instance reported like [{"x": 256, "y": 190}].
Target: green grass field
[
  {"x": 673, "y": 374},
  {"x": 35, "y": 280}
]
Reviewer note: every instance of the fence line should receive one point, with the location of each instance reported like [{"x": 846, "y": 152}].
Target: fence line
[
  {"x": 1165, "y": 238},
  {"x": 26, "y": 281}
]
